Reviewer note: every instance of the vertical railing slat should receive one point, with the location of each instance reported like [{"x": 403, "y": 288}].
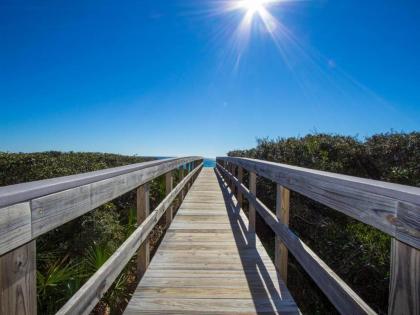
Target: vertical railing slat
[
  {"x": 240, "y": 180},
  {"x": 169, "y": 185},
  {"x": 143, "y": 210},
  {"x": 181, "y": 177},
  {"x": 18, "y": 281},
  {"x": 404, "y": 292},
  {"x": 282, "y": 213},
  {"x": 253, "y": 190}
]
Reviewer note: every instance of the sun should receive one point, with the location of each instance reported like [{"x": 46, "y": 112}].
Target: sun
[
  {"x": 253, "y": 17},
  {"x": 252, "y": 6}
]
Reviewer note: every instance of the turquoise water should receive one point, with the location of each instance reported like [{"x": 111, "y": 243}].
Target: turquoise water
[{"x": 209, "y": 163}]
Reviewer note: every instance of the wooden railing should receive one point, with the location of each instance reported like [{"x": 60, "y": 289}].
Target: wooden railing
[
  {"x": 32, "y": 209},
  {"x": 391, "y": 208}
]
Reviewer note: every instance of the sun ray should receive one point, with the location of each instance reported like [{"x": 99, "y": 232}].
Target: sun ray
[{"x": 314, "y": 72}]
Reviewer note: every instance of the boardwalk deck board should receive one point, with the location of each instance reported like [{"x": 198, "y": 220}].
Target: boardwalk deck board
[{"x": 208, "y": 262}]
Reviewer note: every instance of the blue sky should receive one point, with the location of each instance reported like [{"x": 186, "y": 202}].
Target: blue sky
[{"x": 163, "y": 77}]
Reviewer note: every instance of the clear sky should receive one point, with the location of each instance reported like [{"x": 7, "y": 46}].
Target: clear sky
[{"x": 170, "y": 78}]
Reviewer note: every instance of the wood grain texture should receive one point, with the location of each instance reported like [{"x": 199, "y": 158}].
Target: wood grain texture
[
  {"x": 253, "y": 190},
  {"x": 336, "y": 290},
  {"x": 56, "y": 201},
  {"x": 15, "y": 226},
  {"x": 210, "y": 263},
  {"x": 143, "y": 211},
  {"x": 404, "y": 293},
  {"x": 169, "y": 183},
  {"x": 181, "y": 177},
  {"x": 391, "y": 208},
  {"x": 91, "y": 292},
  {"x": 56, "y": 209},
  {"x": 282, "y": 213},
  {"x": 18, "y": 281},
  {"x": 240, "y": 179},
  {"x": 13, "y": 194}
]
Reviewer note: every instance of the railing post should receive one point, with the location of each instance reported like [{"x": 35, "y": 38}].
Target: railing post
[
  {"x": 169, "y": 183},
  {"x": 253, "y": 190},
  {"x": 404, "y": 291},
  {"x": 18, "y": 281},
  {"x": 230, "y": 180},
  {"x": 189, "y": 171},
  {"x": 240, "y": 180},
  {"x": 282, "y": 213},
  {"x": 226, "y": 166},
  {"x": 143, "y": 210},
  {"x": 181, "y": 177},
  {"x": 232, "y": 183}
]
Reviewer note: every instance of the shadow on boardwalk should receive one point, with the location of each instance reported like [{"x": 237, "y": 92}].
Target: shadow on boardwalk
[{"x": 267, "y": 291}]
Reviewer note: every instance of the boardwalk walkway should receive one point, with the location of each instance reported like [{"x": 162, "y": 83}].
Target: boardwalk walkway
[{"x": 208, "y": 263}]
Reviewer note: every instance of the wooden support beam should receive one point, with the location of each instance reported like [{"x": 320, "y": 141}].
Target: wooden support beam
[
  {"x": 18, "y": 281},
  {"x": 189, "y": 171},
  {"x": 181, "y": 177},
  {"x": 169, "y": 182},
  {"x": 282, "y": 213},
  {"x": 143, "y": 210},
  {"x": 231, "y": 170},
  {"x": 404, "y": 291},
  {"x": 253, "y": 190},
  {"x": 233, "y": 187},
  {"x": 240, "y": 179}
]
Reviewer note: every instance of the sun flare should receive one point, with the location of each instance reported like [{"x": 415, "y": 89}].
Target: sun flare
[{"x": 252, "y": 6}]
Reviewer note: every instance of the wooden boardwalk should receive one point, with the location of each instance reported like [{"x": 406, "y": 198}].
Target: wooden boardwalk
[{"x": 208, "y": 262}]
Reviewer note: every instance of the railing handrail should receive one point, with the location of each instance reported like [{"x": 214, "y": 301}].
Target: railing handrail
[
  {"x": 44, "y": 205},
  {"x": 391, "y": 208},
  {"x": 403, "y": 192},
  {"x": 29, "y": 210},
  {"x": 12, "y": 194},
  {"x": 340, "y": 294},
  {"x": 85, "y": 299}
]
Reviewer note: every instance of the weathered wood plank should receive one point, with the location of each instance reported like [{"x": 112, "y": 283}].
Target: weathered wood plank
[
  {"x": 15, "y": 226},
  {"x": 13, "y": 194},
  {"x": 169, "y": 184},
  {"x": 240, "y": 179},
  {"x": 282, "y": 213},
  {"x": 336, "y": 290},
  {"x": 56, "y": 201},
  {"x": 253, "y": 190},
  {"x": 220, "y": 292},
  {"x": 391, "y": 208},
  {"x": 181, "y": 177},
  {"x": 209, "y": 306},
  {"x": 18, "y": 281},
  {"x": 404, "y": 293},
  {"x": 198, "y": 264},
  {"x": 91, "y": 292},
  {"x": 143, "y": 211},
  {"x": 56, "y": 209}
]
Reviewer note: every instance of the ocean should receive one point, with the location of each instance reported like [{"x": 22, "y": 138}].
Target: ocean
[{"x": 207, "y": 162}]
